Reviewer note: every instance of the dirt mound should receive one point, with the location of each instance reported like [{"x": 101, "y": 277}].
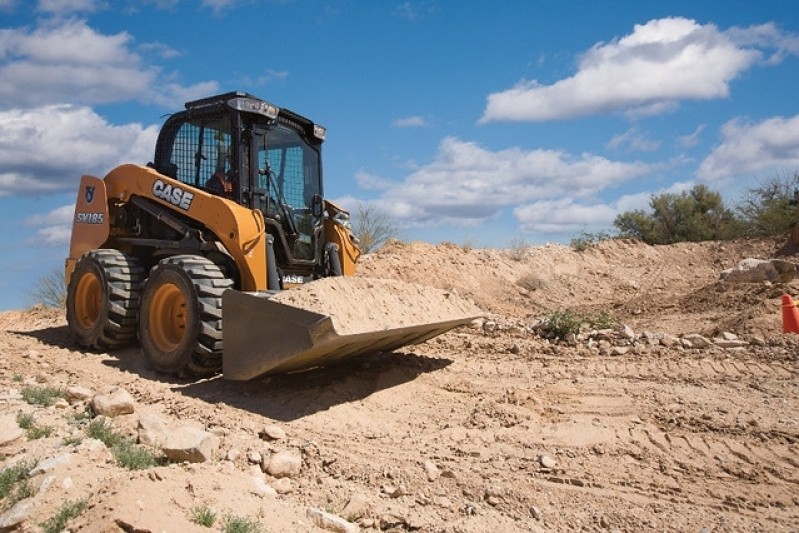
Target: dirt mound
[{"x": 360, "y": 305}]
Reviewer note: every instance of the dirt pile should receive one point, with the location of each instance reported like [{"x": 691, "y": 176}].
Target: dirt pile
[{"x": 361, "y": 305}]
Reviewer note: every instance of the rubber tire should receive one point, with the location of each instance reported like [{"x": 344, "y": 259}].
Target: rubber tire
[
  {"x": 103, "y": 299},
  {"x": 180, "y": 327}
]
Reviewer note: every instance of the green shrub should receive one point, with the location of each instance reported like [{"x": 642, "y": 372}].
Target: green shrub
[
  {"x": 241, "y": 524},
  {"x": 562, "y": 323},
  {"x": 126, "y": 452},
  {"x": 203, "y": 516},
  {"x": 10, "y": 475},
  {"x": 68, "y": 511},
  {"x": 27, "y": 422},
  {"x": 42, "y": 396},
  {"x": 583, "y": 241}
]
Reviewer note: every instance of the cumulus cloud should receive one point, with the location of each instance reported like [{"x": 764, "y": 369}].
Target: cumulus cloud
[
  {"x": 748, "y": 148},
  {"x": 57, "y": 224},
  {"x": 646, "y": 72},
  {"x": 66, "y": 7},
  {"x": 469, "y": 183},
  {"x": 47, "y": 149},
  {"x": 70, "y": 62}
]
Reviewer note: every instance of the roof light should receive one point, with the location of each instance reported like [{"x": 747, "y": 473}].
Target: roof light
[
  {"x": 251, "y": 105},
  {"x": 319, "y": 132}
]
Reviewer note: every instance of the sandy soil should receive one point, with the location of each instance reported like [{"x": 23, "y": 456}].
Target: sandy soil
[{"x": 488, "y": 428}]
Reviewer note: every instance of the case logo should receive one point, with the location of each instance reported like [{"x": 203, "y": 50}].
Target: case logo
[
  {"x": 174, "y": 195},
  {"x": 88, "y": 194}
]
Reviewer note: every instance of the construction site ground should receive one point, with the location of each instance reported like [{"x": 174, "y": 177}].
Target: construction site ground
[{"x": 486, "y": 428}]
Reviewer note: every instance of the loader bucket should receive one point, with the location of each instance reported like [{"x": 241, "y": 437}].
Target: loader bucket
[{"x": 263, "y": 336}]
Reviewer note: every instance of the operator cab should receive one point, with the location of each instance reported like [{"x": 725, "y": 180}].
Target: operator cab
[{"x": 259, "y": 156}]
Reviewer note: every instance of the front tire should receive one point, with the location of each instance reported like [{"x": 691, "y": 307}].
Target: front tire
[
  {"x": 180, "y": 327},
  {"x": 103, "y": 299}
]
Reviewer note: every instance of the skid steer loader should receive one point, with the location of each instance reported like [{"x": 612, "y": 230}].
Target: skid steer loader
[{"x": 230, "y": 211}]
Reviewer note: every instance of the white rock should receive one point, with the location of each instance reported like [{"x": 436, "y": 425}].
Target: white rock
[
  {"x": 153, "y": 430},
  {"x": 547, "y": 461},
  {"x": 9, "y": 429},
  {"x": 262, "y": 488},
  {"x": 190, "y": 444},
  {"x": 431, "y": 470},
  {"x": 272, "y": 432},
  {"x": 16, "y": 516},
  {"x": 115, "y": 403},
  {"x": 330, "y": 522},
  {"x": 357, "y": 507},
  {"x": 287, "y": 463}
]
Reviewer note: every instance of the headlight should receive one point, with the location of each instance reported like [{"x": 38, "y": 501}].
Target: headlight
[
  {"x": 251, "y": 105},
  {"x": 319, "y": 132}
]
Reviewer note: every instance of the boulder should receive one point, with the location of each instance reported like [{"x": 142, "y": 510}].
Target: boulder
[{"x": 115, "y": 403}]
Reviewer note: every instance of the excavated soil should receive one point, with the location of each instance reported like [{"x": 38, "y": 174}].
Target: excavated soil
[{"x": 490, "y": 427}]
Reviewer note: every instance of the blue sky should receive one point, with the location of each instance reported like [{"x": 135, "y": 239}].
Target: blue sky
[{"x": 472, "y": 122}]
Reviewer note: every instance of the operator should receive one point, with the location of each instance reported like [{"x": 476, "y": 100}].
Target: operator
[{"x": 220, "y": 183}]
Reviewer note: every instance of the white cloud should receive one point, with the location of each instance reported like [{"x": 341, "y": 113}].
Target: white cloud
[
  {"x": 750, "y": 148},
  {"x": 68, "y": 61},
  {"x": 53, "y": 236},
  {"x": 66, "y": 7},
  {"x": 47, "y": 149},
  {"x": 692, "y": 139},
  {"x": 371, "y": 182},
  {"x": 646, "y": 72},
  {"x": 633, "y": 140},
  {"x": 414, "y": 121},
  {"x": 59, "y": 215},
  {"x": 468, "y": 183}
]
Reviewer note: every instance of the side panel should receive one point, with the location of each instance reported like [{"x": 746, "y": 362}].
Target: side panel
[
  {"x": 241, "y": 230},
  {"x": 90, "y": 224}
]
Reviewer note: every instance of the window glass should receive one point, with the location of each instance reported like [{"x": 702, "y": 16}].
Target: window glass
[{"x": 201, "y": 149}]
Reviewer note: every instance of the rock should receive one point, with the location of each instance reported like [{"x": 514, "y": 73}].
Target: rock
[
  {"x": 254, "y": 457},
  {"x": 153, "y": 430},
  {"x": 78, "y": 394},
  {"x": 751, "y": 270},
  {"x": 9, "y": 429},
  {"x": 287, "y": 463},
  {"x": 48, "y": 465},
  {"x": 619, "y": 350},
  {"x": 283, "y": 485},
  {"x": 357, "y": 507},
  {"x": 696, "y": 341},
  {"x": 535, "y": 512},
  {"x": 547, "y": 461},
  {"x": 329, "y": 521},
  {"x": 233, "y": 454},
  {"x": 668, "y": 340},
  {"x": 16, "y": 516},
  {"x": 190, "y": 444},
  {"x": 626, "y": 332},
  {"x": 272, "y": 432},
  {"x": 262, "y": 488},
  {"x": 727, "y": 336},
  {"x": 431, "y": 470},
  {"x": 730, "y": 344},
  {"x": 115, "y": 403}
]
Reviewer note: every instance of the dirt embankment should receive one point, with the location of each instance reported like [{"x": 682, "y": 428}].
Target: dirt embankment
[{"x": 481, "y": 429}]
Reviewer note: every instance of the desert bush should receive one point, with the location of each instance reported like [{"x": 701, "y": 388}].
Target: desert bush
[
  {"x": 373, "y": 227},
  {"x": 68, "y": 511},
  {"x": 33, "y": 431},
  {"x": 13, "y": 474},
  {"x": 42, "y": 396},
  {"x": 50, "y": 289},
  {"x": 517, "y": 249},
  {"x": 126, "y": 452},
  {"x": 241, "y": 524},
  {"x": 204, "y": 516},
  {"x": 773, "y": 207},
  {"x": 586, "y": 239},
  {"x": 531, "y": 282},
  {"x": 562, "y": 323}
]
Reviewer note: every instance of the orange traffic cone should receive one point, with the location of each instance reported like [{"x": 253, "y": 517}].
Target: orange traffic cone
[{"x": 790, "y": 315}]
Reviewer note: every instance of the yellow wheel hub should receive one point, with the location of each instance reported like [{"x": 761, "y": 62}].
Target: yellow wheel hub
[
  {"x": 88, "y": 295},
  {"x": 168, "y": 317}
]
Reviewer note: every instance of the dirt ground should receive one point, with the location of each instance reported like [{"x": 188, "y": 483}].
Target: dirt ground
[{"x": 486, "y": 428}]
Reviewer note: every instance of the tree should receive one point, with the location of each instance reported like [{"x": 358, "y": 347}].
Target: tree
[
  {"x": 373, "y": 227},
  {"x": 773, "y": 207},
  {"x": 696, "y": 215},
  {"x": 50, "y": 289}
]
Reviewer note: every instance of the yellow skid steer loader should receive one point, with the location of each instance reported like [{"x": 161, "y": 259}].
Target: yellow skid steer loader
[{"x": 230, "y": 212}]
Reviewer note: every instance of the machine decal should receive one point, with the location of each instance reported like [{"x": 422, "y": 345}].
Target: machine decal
[
  {"x": 89, "y": 218},
  {"x": 294, "y": 279},
  {"x": 88, "y": 194},
  {"x": 174, "y": 195}
]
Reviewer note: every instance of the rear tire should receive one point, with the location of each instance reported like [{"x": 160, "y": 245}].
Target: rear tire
[
  {"x": 103, "y": 299},
  {"x": 180, "y": 327}
]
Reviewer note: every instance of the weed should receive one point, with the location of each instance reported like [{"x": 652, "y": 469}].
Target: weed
[
  {"x": 10, "y": 475},
  {"x": 126, "y": 452},
  {"x": 203, "y": 516},
  {"x": 23, "y": 490},
  {"x": 68, "y": 511},
  {"x": 25, "y": 420},
  {"x": 43, "y": 396},
  {"x": 17, "y": 378},
  {"x": 562, "y": 323},
  {"x": 531, "y": 282},
  {"x": 70, "y": 441},
  {"x": 241, "y": 524},
  {"x": 518, "y": 249}
]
